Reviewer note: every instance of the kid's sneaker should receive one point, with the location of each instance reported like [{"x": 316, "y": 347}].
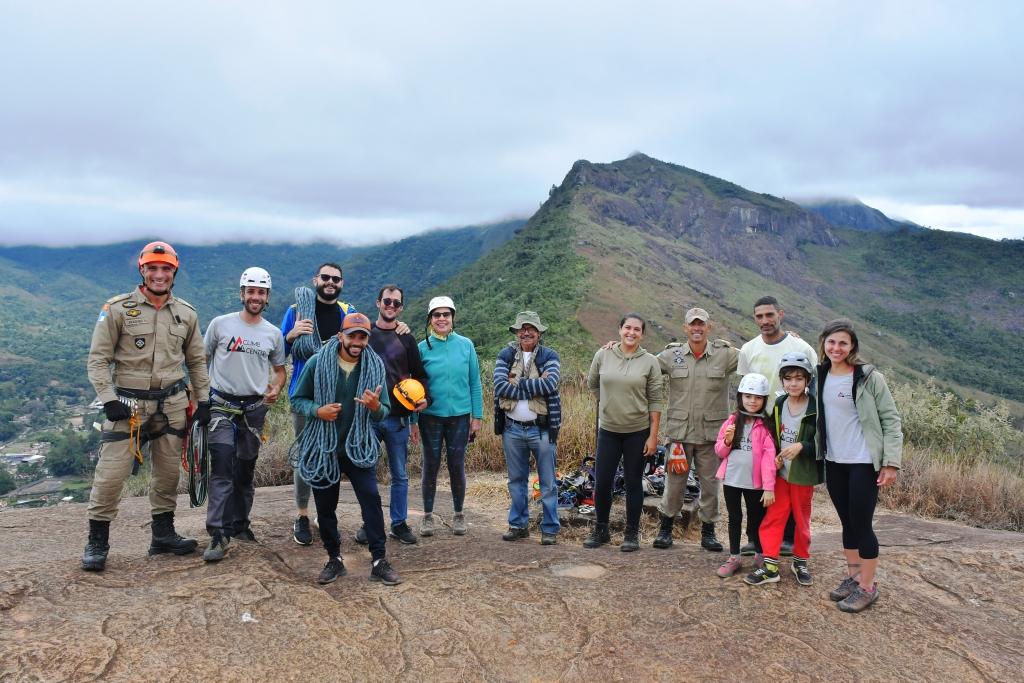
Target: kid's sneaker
[
  {"x": 730, "y": 567},
  {"x": 802, "y": 572},
  {"x": 761, "y": 575}
]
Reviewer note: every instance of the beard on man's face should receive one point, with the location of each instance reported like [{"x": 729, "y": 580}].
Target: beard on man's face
[{"x": 320, "y": 292}]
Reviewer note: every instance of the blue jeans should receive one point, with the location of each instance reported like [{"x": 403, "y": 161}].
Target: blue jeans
[
  {"x": 394, "y": 432},
  {"x": 519, "y": 442}
]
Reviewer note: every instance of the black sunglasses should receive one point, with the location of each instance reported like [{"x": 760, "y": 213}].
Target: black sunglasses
[
  {"x": 324, "y": 277},
  {"x": 397, "y": 303},
  {"x": 441, "y": 314}
]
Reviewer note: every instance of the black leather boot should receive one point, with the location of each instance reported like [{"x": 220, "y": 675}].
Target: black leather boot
[
  {"x": 166, "y": 539},
  {"x": 707, "y": 538},
  {"x": 598, "y": 536},
  {"x": 664, "y": 538},
  {"x": 94, "y": 559},
  {"x": 630, "y": 541}
]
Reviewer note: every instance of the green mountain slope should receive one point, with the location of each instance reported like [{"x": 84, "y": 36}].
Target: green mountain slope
[{"x": 850, "y": 213}]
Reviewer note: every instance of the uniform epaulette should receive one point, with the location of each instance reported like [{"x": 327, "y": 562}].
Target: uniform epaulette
[
  {"x": 672, "y": 345},
  {"x": 721, "y": 344},
  {"x": 119, "y": 297},
  {"x": 178, "y": 300}
]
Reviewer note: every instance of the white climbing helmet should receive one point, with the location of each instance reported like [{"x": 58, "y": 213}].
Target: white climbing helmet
[
  {"x": 440, "y": 302},
  {"x": 754, "y": 383},
  {"x": 255, "y": 277}
]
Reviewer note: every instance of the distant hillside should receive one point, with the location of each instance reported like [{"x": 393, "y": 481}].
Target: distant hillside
[
  {"x": 52, "y": 296},
  {"x": 640, "y": 234},
  {"x": 850, "y": 213}
]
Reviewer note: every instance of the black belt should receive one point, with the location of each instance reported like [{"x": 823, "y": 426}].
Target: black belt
[
  {"x": 539, "y": 422},
  {"x": 242, "y": 401},
  {"x": 152, "y": 394}
]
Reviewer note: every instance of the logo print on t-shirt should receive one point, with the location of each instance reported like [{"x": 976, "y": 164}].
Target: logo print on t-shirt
[{"x": 240, "y": 345}]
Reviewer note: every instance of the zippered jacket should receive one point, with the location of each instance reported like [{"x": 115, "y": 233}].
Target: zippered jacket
[{"x": 806, "y": 469}]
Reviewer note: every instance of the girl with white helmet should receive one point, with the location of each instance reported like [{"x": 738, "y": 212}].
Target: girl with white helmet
[{"x": 747, "y": 450}]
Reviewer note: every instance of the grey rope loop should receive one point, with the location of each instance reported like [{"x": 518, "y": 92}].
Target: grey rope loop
[
  {"x": 306, "y": 345},
  {"x": 313, "y": 454}
]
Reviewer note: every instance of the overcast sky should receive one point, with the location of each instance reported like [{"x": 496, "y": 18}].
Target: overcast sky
[{"x": 203, "y": 122}]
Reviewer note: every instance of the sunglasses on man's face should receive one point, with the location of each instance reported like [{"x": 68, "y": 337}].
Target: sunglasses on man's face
[
  {"x": 441, "y": 314},
  {"x": 397, "y": 303},
  {"x": 324, "y": 277}
]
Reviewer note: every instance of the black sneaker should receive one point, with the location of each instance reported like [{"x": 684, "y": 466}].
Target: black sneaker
[
  {"x": 514, "y": 533},
  {"x": 301, "y": 533},
  {"x": 548, "y": 539},
  {"x": 747, "y": 549},
  {"x": 402, "y": 532},
  {"x": 761, "y": 575},
  {"x": 360, "y": 536},
  {"x": 383, "y": 572},
  {"x": 802, "y": 572},
  {"x": 245, "y": 535},
  {"x": 332, "y": 570}
]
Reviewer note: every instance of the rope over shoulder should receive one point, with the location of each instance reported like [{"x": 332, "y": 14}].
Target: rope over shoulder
[
  {"x": 314, "y": 452},
  {"x": 307, "y": 345}
]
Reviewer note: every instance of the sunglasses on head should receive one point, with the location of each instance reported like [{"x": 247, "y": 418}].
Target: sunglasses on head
[
  {"x": 441, "y": 314},
  {"x": 397, "y": 303},
  {"x": 324, "y": 277}
]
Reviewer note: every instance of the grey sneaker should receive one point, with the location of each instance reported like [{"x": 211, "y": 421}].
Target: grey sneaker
[
  {"x": 383, "y": 572},
  {"x": 459, "y": 527},
  {"x": 360, "y": 536},
  {"x": 301, "y": 533},
  {"x": 514, "y": 533},
  {"x": 747, "y": 549},
  {"x": 427, "y": 525},
  {"x": 802, "y": 572},
  {"x": 859, "y": 600},
  {"x": 548, "y": 539},
  {"x": 217, "y": 550},
  {"x": 843, "y": 590},
  {"x": 403, "y": 533},
  {"x": 331, "y": 571}
]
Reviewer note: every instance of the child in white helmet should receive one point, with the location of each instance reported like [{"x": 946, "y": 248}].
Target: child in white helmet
[{"x": 747, "y": 450}]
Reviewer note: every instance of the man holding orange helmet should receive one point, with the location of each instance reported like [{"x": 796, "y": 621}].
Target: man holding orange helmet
[{"x": 141, "y": 345}]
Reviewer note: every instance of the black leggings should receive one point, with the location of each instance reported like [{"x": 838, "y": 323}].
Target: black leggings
[
  {"x": 755, "y": 513},
  {"x": 611, "y": 448},
  {"x": 854, "y": 492}
]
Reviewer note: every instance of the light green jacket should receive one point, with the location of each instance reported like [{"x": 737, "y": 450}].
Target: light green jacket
[{"x": 883, "y": 428}]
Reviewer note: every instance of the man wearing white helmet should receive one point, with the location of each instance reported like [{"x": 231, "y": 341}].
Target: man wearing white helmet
[{"x": 246, "y": 359}]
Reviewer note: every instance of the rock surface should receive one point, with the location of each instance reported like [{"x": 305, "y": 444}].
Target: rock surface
[{"x": 479, "y": 608}]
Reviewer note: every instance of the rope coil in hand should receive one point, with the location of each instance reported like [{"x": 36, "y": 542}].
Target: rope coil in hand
[
  {"x": 197, "y": 464},
  {"x": 306, "y": 345},
  {"x": 314, "y": 452}
]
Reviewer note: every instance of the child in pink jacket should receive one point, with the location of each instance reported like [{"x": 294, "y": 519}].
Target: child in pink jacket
[{"x": 747, "y": 450}]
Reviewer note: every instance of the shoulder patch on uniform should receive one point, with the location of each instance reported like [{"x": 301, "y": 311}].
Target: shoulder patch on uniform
[
  {"x": 673, "y": 345},
  {"x": 185, "y": 303},
  {"x": 720, "y": 344},
  {"x": 119, "y": 297}
]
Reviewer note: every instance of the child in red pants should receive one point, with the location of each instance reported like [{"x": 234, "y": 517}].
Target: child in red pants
[{"x": 793, "y": 426}]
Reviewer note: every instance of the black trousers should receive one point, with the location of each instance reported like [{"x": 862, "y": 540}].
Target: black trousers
[
  {"x": 854, "y": 493},
  {"x": 364, "y": 483},
  {"x": 613, "y": 447},
  {"x": 734, "y": 498}
]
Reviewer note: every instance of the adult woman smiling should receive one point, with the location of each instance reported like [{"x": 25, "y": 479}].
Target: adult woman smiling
[{"x": 627, "y": 380}]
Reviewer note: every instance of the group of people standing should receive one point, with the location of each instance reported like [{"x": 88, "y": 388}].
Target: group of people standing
[{"x": 357, "y": 384}]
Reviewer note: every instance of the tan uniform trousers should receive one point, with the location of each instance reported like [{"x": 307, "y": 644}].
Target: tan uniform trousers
[
  {"x": 704, "y": 461},
  {"x": 115, "y": 463}
]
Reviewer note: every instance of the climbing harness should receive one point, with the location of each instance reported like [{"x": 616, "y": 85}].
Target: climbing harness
[{"x": 314, "y": 452}]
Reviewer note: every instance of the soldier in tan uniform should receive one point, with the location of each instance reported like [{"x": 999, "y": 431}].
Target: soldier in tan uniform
[
  {"x": 697, "y": 374},
  {"x": 140, "y": 346}
]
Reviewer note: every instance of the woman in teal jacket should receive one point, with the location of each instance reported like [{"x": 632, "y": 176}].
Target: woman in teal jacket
[{"x": 456, "y": 407}]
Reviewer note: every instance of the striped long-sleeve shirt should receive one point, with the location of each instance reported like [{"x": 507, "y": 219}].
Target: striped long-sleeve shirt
[{"x": 547, "y": 360}]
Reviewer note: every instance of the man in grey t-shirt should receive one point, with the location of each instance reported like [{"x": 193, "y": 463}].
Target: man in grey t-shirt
[{"x": 243, "y": 351}]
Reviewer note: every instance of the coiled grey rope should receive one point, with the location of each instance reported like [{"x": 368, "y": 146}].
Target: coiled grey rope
[
  {"x": 314, "y": 452},
  {"x": 306, "y": 345}
]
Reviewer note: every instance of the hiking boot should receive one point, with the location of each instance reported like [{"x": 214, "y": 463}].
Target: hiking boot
[
  {"x": 94, "y": 559},
  {"x": 245, "y": 536},
  {"x": 843, "y": 590},
  {"x": 403, "y": 533},
  {"x": 548, "y": 539},
  {"x": 301, "y": 533},
  {"x": 859, "y": 600},
  {"x": 630, "y": 541},
  {"x": 218, "y": 548},
  {"x": 598, "y": 536},
  {"x": 383, "y": 572},
  {"x": 331, "y": 571},
  {"x": 786, "y": 549},
  {"x": 427, "y": 525},
  {"x": 360, "y": 536},
  {"x": 664, "y": 538},
  {"x": 802, "y": 572},
  {"x": 763, "y": 574},
  {"x": 166, "y": 539},
  {"x": 747, "y": 549},
  {"x": 514, "y": 533},
  {"x": 459, "y": 527},
  {"x": 730, "y": 567},
  {"x": 707, "y": 538}
]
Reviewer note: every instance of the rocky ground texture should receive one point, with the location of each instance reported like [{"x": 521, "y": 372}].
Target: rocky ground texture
[{"x": 478, "y": 608}]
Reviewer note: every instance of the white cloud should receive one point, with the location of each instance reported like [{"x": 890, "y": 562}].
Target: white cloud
[{"x": 991, "y": 222}]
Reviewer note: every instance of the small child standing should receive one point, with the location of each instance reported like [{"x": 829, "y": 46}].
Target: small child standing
[
  {"x": 747, "y": 450},
  {"x": 793, "y": 427}
]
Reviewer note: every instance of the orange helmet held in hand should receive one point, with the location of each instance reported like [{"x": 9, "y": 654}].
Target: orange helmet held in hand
[{"x": 409, "y": 392}]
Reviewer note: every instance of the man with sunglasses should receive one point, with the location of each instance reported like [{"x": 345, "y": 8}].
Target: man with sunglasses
[{"x": 401, "y": 357}]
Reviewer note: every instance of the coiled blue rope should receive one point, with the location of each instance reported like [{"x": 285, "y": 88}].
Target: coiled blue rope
[
  {"x": 307, "y": 345},
  {"x": 314, "y": 453}
]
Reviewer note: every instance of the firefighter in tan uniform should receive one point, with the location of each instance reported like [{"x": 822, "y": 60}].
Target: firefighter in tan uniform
[
  {"x": 140, "y": 346},
  {"x": 697, "y": 374}
]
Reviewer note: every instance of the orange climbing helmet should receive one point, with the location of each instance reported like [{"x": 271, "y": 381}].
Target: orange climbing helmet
[{"x": 158, "y": 252}]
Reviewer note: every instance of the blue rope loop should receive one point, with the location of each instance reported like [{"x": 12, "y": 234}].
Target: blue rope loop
[{"x": 314, "y": 452}]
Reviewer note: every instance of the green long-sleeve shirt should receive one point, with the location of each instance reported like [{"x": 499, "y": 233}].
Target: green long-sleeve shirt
[
  {"x": 629, "y": 387},
  {"x": 303, "y": 402}
]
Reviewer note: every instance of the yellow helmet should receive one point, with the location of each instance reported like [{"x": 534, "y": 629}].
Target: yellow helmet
[{"x": 409, "y": 392}]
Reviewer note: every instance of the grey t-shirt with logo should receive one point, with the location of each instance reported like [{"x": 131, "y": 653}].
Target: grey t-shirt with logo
[
  {"x": 845, "y": 437},
  {"x": 241, "y": 355},
  {"x": 790, "y": 432},
  {"x": 739, "y": 471}
]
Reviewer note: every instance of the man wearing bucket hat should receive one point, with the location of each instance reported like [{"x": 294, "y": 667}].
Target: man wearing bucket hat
[
  {"x": 527, "y": 415},
  {"x": 406, "y": 389}
]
